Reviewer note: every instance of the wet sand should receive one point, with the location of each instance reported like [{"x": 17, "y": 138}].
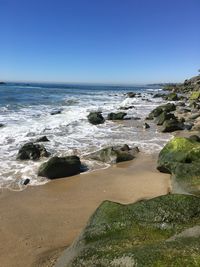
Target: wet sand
[{"x": 38, "y": 223}]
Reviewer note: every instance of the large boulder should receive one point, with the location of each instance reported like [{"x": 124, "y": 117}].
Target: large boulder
[
  {"x": 116, "y": 116},
  {"x": 58, "y": 167},
  {"x": 32, "y": 151},
  {"x": 114, "y": 154},
  {"x": 96, "y": 118},
  {"x": 162, "y": 231},
  {"x": 181, "y": 158}
]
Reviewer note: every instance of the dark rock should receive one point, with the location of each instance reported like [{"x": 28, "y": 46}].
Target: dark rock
[
  {"x": 146, "y": 126},
  {"x": 171, "y": 126},
  {"x": 32, "y": 151},
  {"x": 96, "y": 118},
  {"x": 169, "y": 107},
  {"x": 126, "y": 108},
  {"x": 116, "y": 116},
  {"x": 131, "y": 94},
  {"x": 58, "y": 167},
  {"x": 159, "y": 95},
  {"x": 114, "y": 154},
  {"x": 163, "y": 117},
  {"x": 163, "y": 231},
  {"x": 55, "y": 112},
  {"x": 194, "y": 138},
  {"x": 42, "y": 139},
  {"x": 26, "y": 181},
  {"x": 2, "y": 83},
  {"x": 1, "y": 125}
]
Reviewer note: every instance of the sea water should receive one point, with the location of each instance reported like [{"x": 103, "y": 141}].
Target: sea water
[{"x": 25, "y": 110}]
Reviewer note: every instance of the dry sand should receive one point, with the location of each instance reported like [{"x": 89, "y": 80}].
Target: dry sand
[{"x": 38, "y": 223}]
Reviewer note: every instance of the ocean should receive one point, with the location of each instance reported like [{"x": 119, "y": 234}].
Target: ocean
[{"x": 25, "y": 111}]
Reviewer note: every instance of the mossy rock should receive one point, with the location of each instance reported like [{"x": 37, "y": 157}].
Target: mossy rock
[
  {"x": 163, "y": 231},
  {"x": 95, "y": 118},
  {"x": 116, "y": 116},
  {"x": 195, "y": 95},
  {"x": 171, "y": 125},
  {"x": 58, "y": 167},
  {"x": 169, "y": 107},
  {"x": 172, "y": 97},
  {"x": 163, "y": 117},
  {"x": 181, "y": 157}
]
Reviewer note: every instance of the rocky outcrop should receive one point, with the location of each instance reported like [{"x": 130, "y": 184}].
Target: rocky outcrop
[
  {"x": 96, "y": 118},
  {"x": 162, "y": 231},
  {"x": 181, "y": 158},
  {"x": 189, "y": 85},
  {"x": 32, "y": 151},
  {"x": 116, "y": 116},
  {"x": 58, "y": 167},
  {"x": 114, "y": 154}
]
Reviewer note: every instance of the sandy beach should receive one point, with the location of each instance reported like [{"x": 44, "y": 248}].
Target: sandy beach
[{"x": 38, "y": 223}]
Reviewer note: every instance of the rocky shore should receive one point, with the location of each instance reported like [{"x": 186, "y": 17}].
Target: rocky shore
[{"x": 162, "y": 231}]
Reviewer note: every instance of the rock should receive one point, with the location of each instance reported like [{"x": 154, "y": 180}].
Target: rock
[
  {"x": 159, "y": 95},
  {"x": 131, "y": 94},
  {"x": 26, "y": 181},
  {"x": 2, "y": 83},
  {"x": 163, "y": 117},
  {"x": 32, "y": 151},
  {"x": 172, "y": 97},
  {"x": 157, "y": 111},
  {"x": 116, "y": 116},
  {"x": 126, "y": 108},
  {"x": 194, "y": 116},
  {"x": 171, "y": 126},
  {"x": 162, "y": 231},
  {"x": 195, "y": 95},
  {"x": 58, "y": 167},
  {"x": 146, "y": 126},
  {"x": 114, "y": 154},
  {"x": 181, "y": 158},
  {"x": 55, "y": 112},
  {"x": 42, "y": 139},
  {"x": 96, "y": 118},
  {"x": 1, "y": 125},
  {"x": 194, "y": 138}
]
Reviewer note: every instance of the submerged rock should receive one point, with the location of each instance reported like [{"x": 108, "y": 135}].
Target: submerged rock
[
  {"x": 42, "y": 139},
  {"x": 116, "y": 116},
  {"x": 131, "y": 94},
  {"x": 96, "y": 118},
  {"x": 32, "y": 151},
  {"x": 58, "y": 167},
  {"x": 115, "y": 154},
  {"x": 158, "y": 232}
]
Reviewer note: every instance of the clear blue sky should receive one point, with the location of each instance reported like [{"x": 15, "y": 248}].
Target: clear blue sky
[{"x": 106, "y": 41}]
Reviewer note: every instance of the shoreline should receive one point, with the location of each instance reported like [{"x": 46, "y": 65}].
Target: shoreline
[{"x": 39, "y": 222}]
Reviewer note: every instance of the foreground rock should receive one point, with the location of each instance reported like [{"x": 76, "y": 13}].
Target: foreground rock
[
  {"x": 169, "y": 107},
  {"x": 32, "y": 151},
  {"x": 172, "y": 125},
  {"x": 162, "y": 231},
  {"x": 115, "y": 154},
  {"x": 116, "y": 116},
  {"x": 181, "y": 158},
  {"x": 58, "y": 167},
  {"x": 95, "y": 118}
]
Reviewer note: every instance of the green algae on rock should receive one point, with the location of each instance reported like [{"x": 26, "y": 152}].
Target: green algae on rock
[
  {"x": 181, "y": 157},
  {"x": 195, "y": 95},
  {"x": 159, "y": 232}
]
